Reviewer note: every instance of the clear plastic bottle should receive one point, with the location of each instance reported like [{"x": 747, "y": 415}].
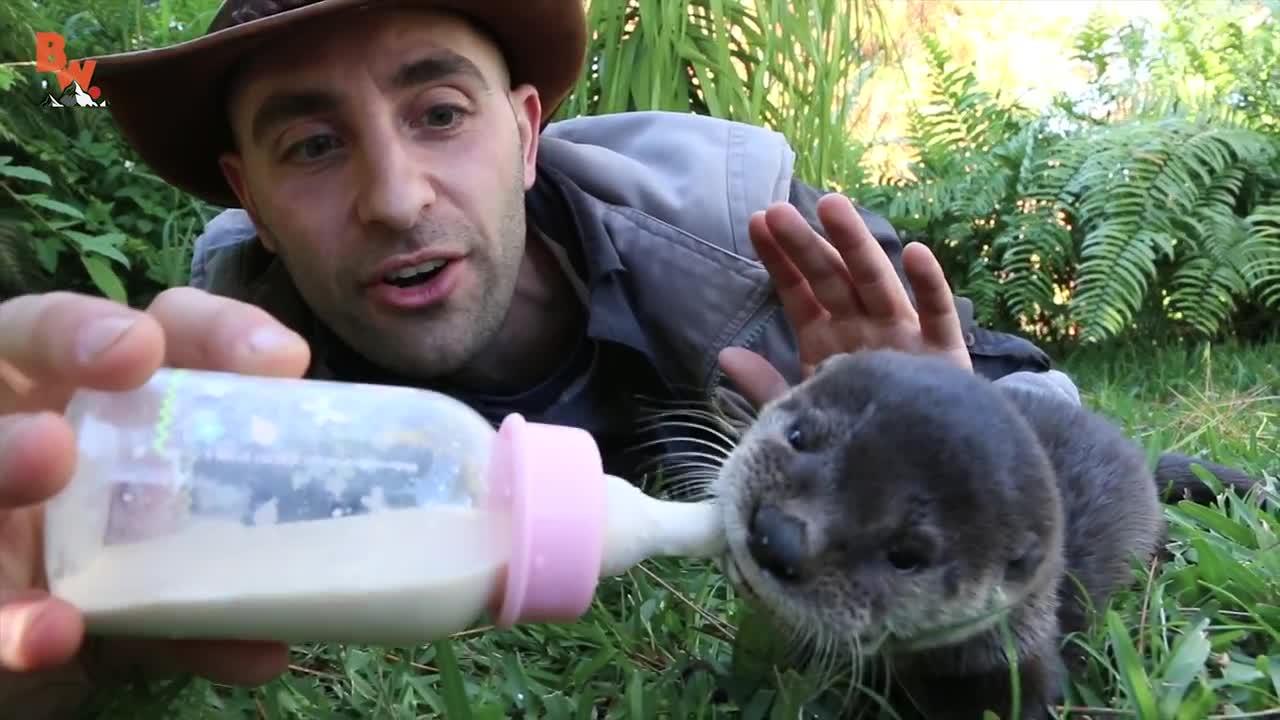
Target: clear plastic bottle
[{"x": 207, "y": 504}]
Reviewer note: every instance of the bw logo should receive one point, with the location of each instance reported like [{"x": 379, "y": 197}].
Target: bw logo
[{"x": 74, "y": 77}]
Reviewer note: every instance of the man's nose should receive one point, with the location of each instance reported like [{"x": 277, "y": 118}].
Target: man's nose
[{"x": 396, "y": 187}]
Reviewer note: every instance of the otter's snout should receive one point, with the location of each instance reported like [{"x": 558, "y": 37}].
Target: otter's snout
[{"x": 779, "y": 543}]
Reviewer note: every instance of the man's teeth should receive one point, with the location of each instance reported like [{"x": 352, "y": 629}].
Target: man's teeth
[{"x": 412, "y": 270}]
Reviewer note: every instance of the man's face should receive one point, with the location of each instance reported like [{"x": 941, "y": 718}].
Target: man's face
[{"x": 385, "y": 158}]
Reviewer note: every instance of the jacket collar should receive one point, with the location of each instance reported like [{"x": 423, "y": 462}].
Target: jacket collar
[{"x": 559, "y": 209}]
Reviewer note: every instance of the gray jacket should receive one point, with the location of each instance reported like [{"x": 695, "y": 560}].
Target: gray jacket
[{"x": 654, "y": 207}]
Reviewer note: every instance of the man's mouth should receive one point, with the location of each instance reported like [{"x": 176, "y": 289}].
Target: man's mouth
[
  {"x": 427, "y": 282},
  {"x": 415, "y": 274}
]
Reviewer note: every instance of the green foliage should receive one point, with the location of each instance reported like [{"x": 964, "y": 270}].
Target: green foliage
[
  {"x": 971, "y": 150},
  {"x": 1146, "y": 205},
  {"x": 1224, "y": 65},
  {"x": 70, "y": 188},
  {"x": 1161, "y": 217},
  {"x": 80, "y": 199},
  {"x": 19, "y": 268},
  {"x": 1067, "y": 229},
  {"x": 803, "y": 65}
]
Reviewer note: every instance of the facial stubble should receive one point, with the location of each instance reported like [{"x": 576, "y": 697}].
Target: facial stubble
[{"x": 441, "y": 340}]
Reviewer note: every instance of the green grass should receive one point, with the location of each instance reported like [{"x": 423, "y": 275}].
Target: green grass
[{"x": 1197, "y": 636}]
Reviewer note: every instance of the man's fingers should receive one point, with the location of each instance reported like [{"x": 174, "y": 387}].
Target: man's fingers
[
  {"x": 815, "y": 258},
  {"x": 789, "y": 283},
  {"x": 37, "y": 457},
  {"x": 62, "y": 338},
  {"x": 875, "y": 283},
  {"x": 37, "y": 632},
  {"x": 232, "y": 662},
  {"x": 42, "y": 632},
  {"x": 755, "y": 377},
  {"x": 935, "y": 304},
  {"x": 209, "y": 332}
]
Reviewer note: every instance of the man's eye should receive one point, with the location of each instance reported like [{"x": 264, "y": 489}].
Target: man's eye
[
  {"x": 313, "y": 147},
  {"x": 443, "y": 116}
]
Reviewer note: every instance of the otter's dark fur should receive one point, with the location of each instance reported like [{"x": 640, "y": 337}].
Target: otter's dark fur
[{"x": 896, "y": 504}]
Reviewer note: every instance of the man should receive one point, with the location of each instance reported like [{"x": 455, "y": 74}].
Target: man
[
  {"x": 585, "y": 265},
  {"x": 406, "y": 218}
]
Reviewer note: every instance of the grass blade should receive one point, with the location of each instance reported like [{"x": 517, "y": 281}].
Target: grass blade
[{"x": 454, "y": 689}]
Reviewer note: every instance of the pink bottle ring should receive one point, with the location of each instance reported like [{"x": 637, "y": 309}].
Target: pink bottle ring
[{"x": 551, "y": 479}]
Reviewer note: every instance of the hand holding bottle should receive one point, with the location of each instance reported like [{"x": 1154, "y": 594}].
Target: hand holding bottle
[
  {"x": 51, "y": 344},
  {"x": 544, "y": 522}
]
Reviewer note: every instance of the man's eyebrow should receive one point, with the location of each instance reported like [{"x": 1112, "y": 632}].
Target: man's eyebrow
[
  {"x": 279, "y": 107},
  {"x": 436, "y": 67}
]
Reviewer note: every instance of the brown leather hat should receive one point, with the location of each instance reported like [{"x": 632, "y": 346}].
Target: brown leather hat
[{"x": 167, "y": 101}]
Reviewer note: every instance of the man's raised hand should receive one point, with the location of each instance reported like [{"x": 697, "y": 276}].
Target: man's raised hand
[{"x": 844, "y": 295}]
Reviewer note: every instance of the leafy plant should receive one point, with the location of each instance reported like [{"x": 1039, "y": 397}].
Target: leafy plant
[
  {"x": 970, "y": 150},
  {"x": 1163, "y": 220},
  {"x": 95, "y": 220},
  {"x": 796, "y": 67},
  {"x": 1070, "y": 229}
]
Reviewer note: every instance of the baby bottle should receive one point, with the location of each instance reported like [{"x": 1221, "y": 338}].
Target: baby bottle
[{"x": 208, "y": 504}]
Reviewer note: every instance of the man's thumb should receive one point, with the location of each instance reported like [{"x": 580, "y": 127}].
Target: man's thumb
[{"x": 756, "y": 378}]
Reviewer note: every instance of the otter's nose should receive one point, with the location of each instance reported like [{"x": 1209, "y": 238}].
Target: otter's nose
[{"x": 777, "y": 542}]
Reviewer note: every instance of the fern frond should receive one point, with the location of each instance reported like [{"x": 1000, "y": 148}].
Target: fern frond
[
  {"x": 1089, "y": 228},
  {"x": 1262, "y": 250},
  {"x": 982, "y": 286},
  {"x": 1146, "y": 194},
  {"x": 1203, "y": 294},
  {"x": 1035, "y": 248},
  {"x": 1115, "y": 271}
]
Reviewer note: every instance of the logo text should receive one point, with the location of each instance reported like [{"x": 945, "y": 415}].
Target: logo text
[{"x": 51, "y": 56}]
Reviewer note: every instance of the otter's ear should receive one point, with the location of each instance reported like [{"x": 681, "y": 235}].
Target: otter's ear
[
  {"x": 1028, "y": 555},
  {"x": 827, "y": 362}
]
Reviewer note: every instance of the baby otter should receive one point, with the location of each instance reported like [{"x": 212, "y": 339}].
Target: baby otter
[{"x": 906, "y": 507}]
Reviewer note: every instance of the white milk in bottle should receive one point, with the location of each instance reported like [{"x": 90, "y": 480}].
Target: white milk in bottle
[{"x": 207, "y": 504}]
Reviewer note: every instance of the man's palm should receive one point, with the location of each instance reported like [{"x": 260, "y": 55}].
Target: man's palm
[{"x": 844, "y": 295}]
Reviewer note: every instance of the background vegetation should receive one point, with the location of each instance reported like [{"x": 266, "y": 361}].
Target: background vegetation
[
  {"x": 1143, "y": 204},
  {"x": 1121, "y": 205}
]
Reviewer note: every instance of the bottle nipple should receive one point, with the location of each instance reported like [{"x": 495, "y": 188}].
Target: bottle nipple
[{"x": 641, "y": 527}]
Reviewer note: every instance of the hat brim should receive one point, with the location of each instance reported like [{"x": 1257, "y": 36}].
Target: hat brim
[{"x": 167, "y": 101}]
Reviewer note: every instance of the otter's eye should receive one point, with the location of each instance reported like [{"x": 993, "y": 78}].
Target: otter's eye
[
  {"x": 796, "y": 437},
  {"x": 802, "y": 434},
  {"x": 909, "y": 557},
  {"x": 800, "y": 437}
]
